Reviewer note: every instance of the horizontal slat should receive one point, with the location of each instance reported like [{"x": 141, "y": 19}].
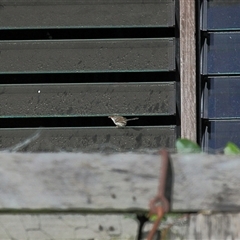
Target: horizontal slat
[
  {"x": 221, "y": 15},
  {"x": 86, "y": 13},
  {"x": 87, "y": 99},
  {"x": 221, "y": 53},
  {"x": 222, "y": 98},
  {"x": 87, "y": 55},
  {"x": 68, "y": 226},
  {"x": 105, "y": 139},
  {"x": 211, "y": 226},
  {"x": 126, "y": 181},
  {"x": 70, "y": 181},
  {"x": 60, "y": 226},
  {"x": 220, "y": 132}
]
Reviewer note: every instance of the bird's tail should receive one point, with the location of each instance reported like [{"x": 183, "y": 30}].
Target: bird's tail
[{"x": 130, "y": 119}]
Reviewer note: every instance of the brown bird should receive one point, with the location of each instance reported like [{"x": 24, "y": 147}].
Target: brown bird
[{"x": 120, "y": 121}]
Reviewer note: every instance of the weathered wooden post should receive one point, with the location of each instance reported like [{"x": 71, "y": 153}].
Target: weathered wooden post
[{"x": 65, "y": 192}]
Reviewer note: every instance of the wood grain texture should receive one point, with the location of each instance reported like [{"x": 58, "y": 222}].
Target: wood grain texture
[
  {"x": 215, "y": 226},
  {"x": 67, "y": 227},
  {"x": 116, "y": 227},
  {"x": 206, "y": 182},
  {"x": 188, "y": 69},
  {"x": 77, "y": 181},
  {"x": 200, "y": 226},
  {"x": 117, "y": 182}
]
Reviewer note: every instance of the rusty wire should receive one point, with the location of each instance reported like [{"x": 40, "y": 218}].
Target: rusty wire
[{"x": 159, "y": 204}]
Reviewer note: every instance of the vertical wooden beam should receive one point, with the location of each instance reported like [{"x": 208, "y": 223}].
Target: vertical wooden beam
[{"x": 188, "y": 69}]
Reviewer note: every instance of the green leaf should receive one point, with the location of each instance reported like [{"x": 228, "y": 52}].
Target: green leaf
[
  {"x": 153, "y": 217},
  {"x": 231, "y": 149},
  {"x": 187, "y": 146}
]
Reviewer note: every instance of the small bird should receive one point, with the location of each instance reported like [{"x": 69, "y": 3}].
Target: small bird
[{"x": 120, "y": 121}]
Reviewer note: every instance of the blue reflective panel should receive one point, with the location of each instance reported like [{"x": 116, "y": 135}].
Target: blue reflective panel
[
  {"x": 223, "y": 53},
  {"x": 221, "y": 132},
  {"x": 222, "y": 98},
  {"x": 223, "y": 14}
]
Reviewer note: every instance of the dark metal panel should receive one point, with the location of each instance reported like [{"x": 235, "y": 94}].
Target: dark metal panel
[
  {"x": 221, "y": 15},
  {"x": 222, "y": 98},
  {"x": 222, "y": 50},
  {"x": 30, "y": 100},
  {"x": 87, "y": 55},
  {"x": 220, "y": 132},
  {"x": 104, "y": 139},
  {"x": 85, "y": 13}
]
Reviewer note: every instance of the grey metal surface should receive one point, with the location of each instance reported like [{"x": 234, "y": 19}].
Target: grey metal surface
[
  {"x": 104, "y": 139},
  {"x": 20, "y": 100},
  {"x": 85, "y": 13},
  {"x": 109, "y": 55}
]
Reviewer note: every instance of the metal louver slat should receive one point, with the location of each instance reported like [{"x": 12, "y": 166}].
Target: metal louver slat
[
  {"x": 105, "y": 139},
  {"x": 86, "y": 13},
  {"x": 31, "y": 100},
  {"x": 87, "y": 55}
]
